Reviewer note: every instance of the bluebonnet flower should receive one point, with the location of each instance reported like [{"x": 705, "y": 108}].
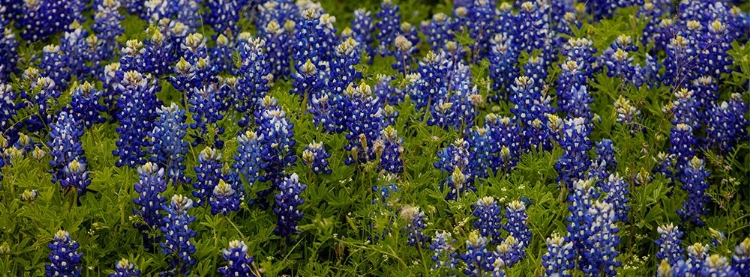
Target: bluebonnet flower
[
  {"x": 508, "y": 253},
  {"x": 507, "y": 136},
  {"x": 11, "y": 10},
  {"x": 477, "y": 258},
  {"x": 248, "y": 159},
  {"x": 134, "y": 7},
  {"x": 705, "y": 91},
  {"x": 697, "y": 255},
  {"x": 362, "y": 29},
  {"x": 574, "y": 162},
  {"x": 714, "y": 59},
  {"x": 680, "y": 63},
  {"x": 157, "y": 57},
  {"x": 580, "y": 201},
  {"x": 55, "y": 67},
  {"x": 651, "y": 13},
  {"x": 363, "y": 125},
  {"x": 433, "y": 73},
  {"x": 239, "y": 261},
  {"x": 222, "y": 54},
  {"x": 75, "y": 176},
  {"x": 177, "y": 33},
  {"x": 137, "y": 113},
  {"x": 483, "y": 149},
  {"x": 107, "y": 25},
  {"x": 278, "y": 46},
  {"x": 489, "y": 218},
  {"x": 73, "y": 44},
  {"x": 385, "y": 191},
  {"x": 616, "y": 190},
  {"x": 523, "y": 97},
  {"x": 276, "y": 138},
  {"x": 620, "y": 65},
  {"x": 563, "y": 17},
  {"x": 342, "y": 66},
  {"x": 444, "y": 254},
  {"x": 253, "y": 83},
  {"x": 439, "y": 30},
  {"x": 316, "y": 157},
  {"x": 287, "y": 207},
  {"x": 601, "y": 9},
  {"x": 669, "y": 242},
  {"x": 25, "y": 144},
  {"x": 307, "y": 83},
  {"x": 726, "y": 124},
  {"x": 133, "y": 56},
  {"x": 578, "y": 103},
  {"x": 741, "y": 258},
  {"x": 177, "y": 234},
  {"x": 403, "y": 52},
  {"x": 65, "y": 147},
  {"x": 650, "y": 71},
  {"x": 664, "y": 32},
  {"x": 42, "y": 18},
  {"x": 151, "y": 184},
  {"x": 536, "y": 69},
  {"x": 125, "y": 268},
  {"x": 224, "y": 16},
  {"x": 695, "y": 184},
  {"x": 664, "y": 164},
  {"x": 155, "y": 10},
  {"x": 532, "y": 26},
  {"x": 8, "y": 110},
  {"x": 454, "y": 160},
  {"x": 184, "y": 79},
  {"x": 309, "y": 39},
  {"x": 208, "y": 174},
  {"x": 392, "y": 150},
  {"x": 458, "y": 110},
  {"x": 85, "y": 107},
  {"x": 505, "y": 23},
  {"x": 685, "y": 109},
  {"x": 194, "y": 48},
  {"x": 8, "y": 53},
  {"x": 44, "y": 96},
  {"x": 414, "y": 225},
  {"x": 324, "y": 111},
  {"x": 111, "y": 78},
  {"x": 683, "y": 147},
  {"x": 227, "y": 195},
  {"x": 717, "y": 265},
  {"x": 627, "y": 114},
  {"x": 503, "y": 57},
  {"x": 558, "y": 261},
  {"x": 388, "y": 26},
  {"x": 167, "y": 142},
  {"x": 605, "y": 162},
  {"x": 517, "y": 226},
  {"x": 600, "y": 252},
  {"x": 571, "y": 80},
  {"x": 390, "y": 114},
  {"x": 65, "y": 260},
  {"x": 481, "y": 22},
  {"x": 580, "y": 51},
  {"x": 207, "y": 109},
  {"x": 279, "y": 10},
  {"x": 187, "y": 12},
  {"x": 328, "y": 37}
]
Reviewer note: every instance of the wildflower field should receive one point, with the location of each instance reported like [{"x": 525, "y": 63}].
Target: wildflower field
[{"x": 374, "y": 138}]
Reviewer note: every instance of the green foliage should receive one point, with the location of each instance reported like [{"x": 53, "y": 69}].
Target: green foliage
[{"x": 342, "y": 232}]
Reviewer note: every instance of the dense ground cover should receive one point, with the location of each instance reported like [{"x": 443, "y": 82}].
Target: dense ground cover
[{"x": 394, "y": 138}]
